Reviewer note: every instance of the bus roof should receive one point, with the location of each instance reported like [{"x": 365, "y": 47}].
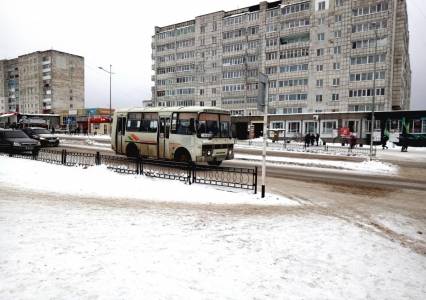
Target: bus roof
[{"x": 174, "y": 109}]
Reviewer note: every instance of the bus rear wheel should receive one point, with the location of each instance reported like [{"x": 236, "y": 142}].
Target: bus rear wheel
[{"x": 132, "y": 150}]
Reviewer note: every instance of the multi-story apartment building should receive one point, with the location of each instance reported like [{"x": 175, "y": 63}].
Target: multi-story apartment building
[
  {"x": 42, "y": 82},
  {"x": 319, "y": 55}
]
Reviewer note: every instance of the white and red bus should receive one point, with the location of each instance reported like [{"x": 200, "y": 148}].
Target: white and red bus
[{"x": 190, "y": 134}]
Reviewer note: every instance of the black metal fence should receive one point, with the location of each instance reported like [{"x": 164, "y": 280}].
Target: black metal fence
[{"x": 242, "y": 178}]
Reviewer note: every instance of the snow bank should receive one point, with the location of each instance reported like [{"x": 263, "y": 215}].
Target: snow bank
[
  {"x": 370, "y": 167},
  {"x": 100, "y": 182}
]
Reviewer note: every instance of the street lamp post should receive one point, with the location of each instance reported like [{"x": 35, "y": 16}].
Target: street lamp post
[
  {"x": 110, "y": 73},
  {"x": 374, "y": 93}
]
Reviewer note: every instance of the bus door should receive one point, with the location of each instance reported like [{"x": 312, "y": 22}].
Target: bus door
[
  {"x": 120, "y": 135},
  {"x": 163, "y": 138}
]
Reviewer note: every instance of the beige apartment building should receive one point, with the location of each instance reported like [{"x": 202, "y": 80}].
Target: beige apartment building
[
  {"x": 319, "y": 55},
  {"x": 42, "y": 82}
]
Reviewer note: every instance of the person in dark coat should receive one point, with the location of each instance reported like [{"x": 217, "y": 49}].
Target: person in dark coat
[
  {"x": 307, "y": 139},
  {"x": 352, "y": 141},
  {"x": 312, "y": 138},
  {"x": 384, "y": 142},
  {"x": 403, "y": 141},
  {"x": 317, "y": 136}
]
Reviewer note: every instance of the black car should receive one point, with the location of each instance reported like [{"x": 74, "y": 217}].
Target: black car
[
  {"x": 43, "y": 135},
  {"x": 16, "y": 141}
]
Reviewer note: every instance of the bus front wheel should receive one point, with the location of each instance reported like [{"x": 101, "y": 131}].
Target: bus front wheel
[{"x": 132, "y": 150}]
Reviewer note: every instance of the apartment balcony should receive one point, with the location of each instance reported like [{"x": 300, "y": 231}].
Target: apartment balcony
[
  {"x": 47, "y": 77},
  {"x": 152, "y": 77},
  {"x": 47, "y": 101},
  {"x": 46, "y": 62}
]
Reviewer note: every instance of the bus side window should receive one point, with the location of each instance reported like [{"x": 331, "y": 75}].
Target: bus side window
[
  {"x": 123, "y": 126},
  {"x": 174, "y": 122},
  {"x": 119, "y": 124}
]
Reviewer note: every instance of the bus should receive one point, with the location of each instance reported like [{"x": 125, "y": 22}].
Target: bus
[{"x": 185, "y": 134}]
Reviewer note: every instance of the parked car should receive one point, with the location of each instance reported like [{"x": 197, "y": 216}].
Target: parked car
[
  {"x": 16, "y": 141},
  {"x": 43, "y": 135}
]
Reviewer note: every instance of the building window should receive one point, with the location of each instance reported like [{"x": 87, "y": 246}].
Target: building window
[
  {"x": 320, "y": 68},
  {"x": 318, "y": 98},
  {"x": 337, "y": 49},
  {"x": 213, "y": 103},
  {"x": 277, "y": 125},
  {"x": 338, "y": 34},
  {"x": 321, "y": 36},
  {"x": 201, "y": 103},
  {"x": 320, "y": 82},
  {"x": 321, "y": 21},
  {"x": 336, "y": 66},
  {"x": 336, "y": 81},
  {"x": 320, "y": 52},
  {"x": 335, "y": 97},
  {"x": 201, "y": 92},
  {"x": 213, "y": 90},
  {"x": 293, "y": 127},
  {"x": 338, "y": 18},
  {"x": 328, "y": 126},
  {"x": 321, "y": 5}
]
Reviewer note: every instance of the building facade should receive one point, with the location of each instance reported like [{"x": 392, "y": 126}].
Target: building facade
[
  {"x": 319, "y": 55},
  {"x": 42, "y": 82}
]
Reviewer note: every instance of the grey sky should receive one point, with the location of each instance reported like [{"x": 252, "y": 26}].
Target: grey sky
[{"x": 119, "y": 32}]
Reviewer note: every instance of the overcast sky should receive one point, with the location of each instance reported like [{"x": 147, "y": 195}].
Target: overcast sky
[{"x": 119, "y": 33}]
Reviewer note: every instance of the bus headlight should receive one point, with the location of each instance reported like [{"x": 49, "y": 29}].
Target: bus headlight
[
  {"x": 209, "y": 153},
  {"x": 16, "y": 144},
  {"x": 229, "y": 151}
]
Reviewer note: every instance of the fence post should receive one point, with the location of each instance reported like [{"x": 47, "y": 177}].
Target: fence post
[
  {"x": 141, "y": 165},
  {"x": 98, "y": 158},
  {"x": 190, "y": 167},
  {"x": 64, "y": 157},
  {"x": 34, "y": 155},
  {"x": 194, "y": 173},
  {"x": 255, "y": 179}
]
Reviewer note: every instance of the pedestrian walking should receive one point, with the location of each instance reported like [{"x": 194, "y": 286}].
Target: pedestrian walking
[
  {"x": 384, "y": 142},
  {"x": 317, "y": 136},
  {"x": 312, "y": 139},
  {"x": 352, "y": 141},
  {"x": 403, "y": 141},
  {"x": 307, "y": 140}
]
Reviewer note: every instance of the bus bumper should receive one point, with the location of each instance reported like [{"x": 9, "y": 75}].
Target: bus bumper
[{"x": 215, "y": 157}]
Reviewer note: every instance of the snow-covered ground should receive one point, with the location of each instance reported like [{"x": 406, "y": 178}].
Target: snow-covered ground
[
  {"x": 98, "y": 181},
  {"x": 74, "y": 233},
  {"x": 370, "y": 167}
]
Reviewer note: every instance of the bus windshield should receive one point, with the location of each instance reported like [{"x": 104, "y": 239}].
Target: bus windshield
[{"x": 214, "y": 125}]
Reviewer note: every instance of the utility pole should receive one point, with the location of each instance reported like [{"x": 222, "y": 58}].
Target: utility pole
[
  {"x": 110, "y": 73},
  {"x": 374, "y": 92},
  {"x": 263, "y": 100}
]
